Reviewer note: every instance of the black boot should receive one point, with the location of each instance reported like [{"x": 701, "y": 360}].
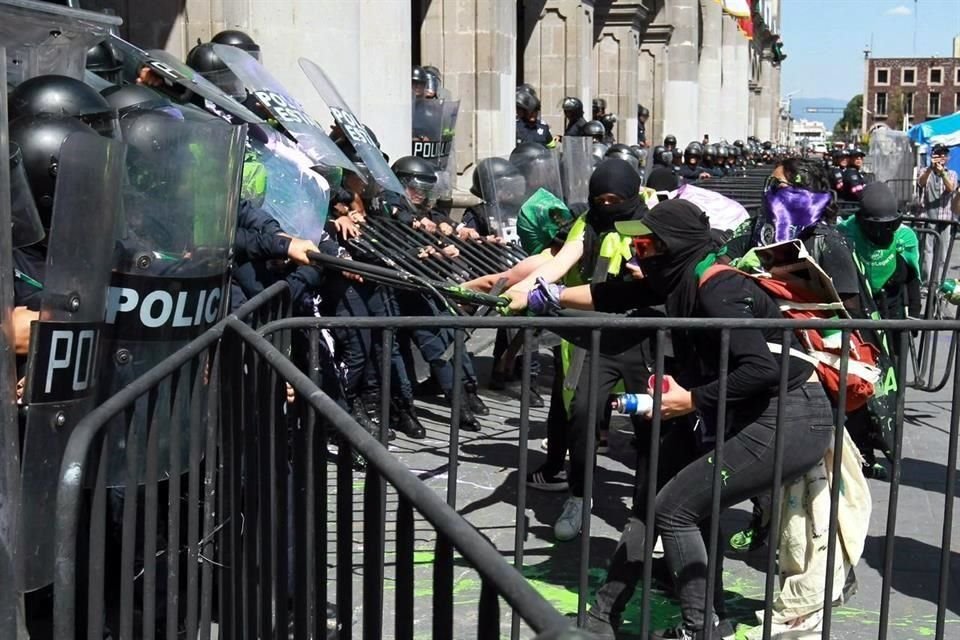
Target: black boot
[
  {"x": 359, "y": 412},
  {"x": 474, "y": 401},
  {"x": 536, "y": 400},
  {"x": 468, "y": 421},
  {"x": 404, "y": 419}
]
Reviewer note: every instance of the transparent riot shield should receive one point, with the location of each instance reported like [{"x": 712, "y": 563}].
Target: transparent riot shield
[
  {"x": 890, "y": 159},
  {"x": 576, "y": 169},
  {"x": 26, "y": 228},
  {"x": 283, "y": 108},
  {"x": 179, "y": 74},
  {"x": 10, "y": 600},
  {"x": 170, "y": 274},
  {"x": 540, "y": 171},
  {"x": 504, "y": 190},
  {"x": 42, "y": 38},
  {"x": 294, "y": 194},
  {"x": 352, "y": 127},
  {"x": 434, "y": 127},
  {"x": 61, "y": 378}
]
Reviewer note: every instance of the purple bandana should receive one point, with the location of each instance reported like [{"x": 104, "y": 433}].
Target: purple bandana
[{"x": 789, "y": 211}]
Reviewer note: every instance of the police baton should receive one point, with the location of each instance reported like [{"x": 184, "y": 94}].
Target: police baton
[{"x": 404, "y": 278}]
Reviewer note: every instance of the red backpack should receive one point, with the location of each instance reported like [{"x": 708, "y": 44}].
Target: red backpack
[{"x": 821, "y": 347}]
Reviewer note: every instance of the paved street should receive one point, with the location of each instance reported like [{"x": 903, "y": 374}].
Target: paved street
[{"x": 487, "y": 495}]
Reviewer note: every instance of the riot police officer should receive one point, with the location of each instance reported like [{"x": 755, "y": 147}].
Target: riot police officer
[
  {"x": 662, "y": 157},
  {"x": 710, "y": 160},
  {"x": 692, "y": 169},
  {"x": 643, "y": 114},
  {"x": 599, "y": 108},
  {"x": 609, "y": 121},
  {"x": 853, "y": 177},
  {"x": 670, "y": 142},
  {"x": 595, "y": 130},
  {"x": 529, "y": 126},
  {"x": 573, "y": 114},
  {"x": 418, "y": 176}
]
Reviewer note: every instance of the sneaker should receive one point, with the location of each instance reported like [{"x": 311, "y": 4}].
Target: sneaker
[
  {"x": 536, "y": 400},
  {"x": 603, "y": 446},
  {"x": 722, "y": 630},
  {"x": 876, "y": 471},
  {"x": 808, "y": 627},
  {"x": 748, "y": 540},
  {"x": 546, "y": 481},
  {"x": 545, "y": 444},
  {"x": 568, "y": 525},
  {"x": 600, "y": 629}
]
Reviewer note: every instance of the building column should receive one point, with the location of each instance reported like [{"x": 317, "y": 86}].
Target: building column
[
  {"x": 617, "y": 65},
  {"x": 473, "y": 43},
  {"x": 681, "y": 94},
  {"x": 741, "y": 122},
  {"x": 728, "y": 107},
  {"x": 766, "y": 102},
  {"x": 711, "y": 111},
  {"x": 652, "y": 78},
  {"x": 557, "y": 59}
]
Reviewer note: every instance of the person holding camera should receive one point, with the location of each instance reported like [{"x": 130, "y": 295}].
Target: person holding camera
[{"x": 938, "y": 188}]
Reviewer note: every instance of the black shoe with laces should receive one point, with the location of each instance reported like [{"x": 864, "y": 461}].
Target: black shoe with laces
[{"x": 474, "y": 401}]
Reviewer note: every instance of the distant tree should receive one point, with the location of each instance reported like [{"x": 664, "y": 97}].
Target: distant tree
[
  {"x": 895, "y": 110},
  {"x": 851, "y": 120}
]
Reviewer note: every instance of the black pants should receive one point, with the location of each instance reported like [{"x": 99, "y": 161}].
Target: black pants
[
  {"x": 683, "y": 503},
  {"x": 631, "y": 366},
  {"x": 436, "y": 344}
]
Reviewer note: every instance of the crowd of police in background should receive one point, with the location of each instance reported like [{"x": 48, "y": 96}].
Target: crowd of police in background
[{"x": 46, "y": 110}]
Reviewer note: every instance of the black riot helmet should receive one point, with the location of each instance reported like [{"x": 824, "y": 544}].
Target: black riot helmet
[
  {"x": 419, "y": 177},
  {"x": 738, "y": 144},
  {"x": 693, "y": 150},
  {"x": 238, "y": 39},
  {"x": 572, "y": 107},
  {"x": 642, "y": 111},
  {"x": 670, "y": 142},
  {"x": 40, "y": 138},
  {"x": 132, "y": 95},
  {"x": 599, "y": 107},
  {"x": 205, "y": 61},
  {"x": 710, "y": 152},
  {"x": 63, "y": 96},
  {"x": 623, "y": 152},
  {"x": 608, "y": 121},
  {"x": 723, "y": 152},
  {"x": 102, "y": 60},
  {"x": 594, "y": 129},
  {"x": 489, "y": 171},
  {"x": 658, "y": 155},
  {"x": 527, "y": 88},
  {"x": 528, "y": 152},
  {"x": 418, "y": 80},
  {"x": 527, "y": 102}
]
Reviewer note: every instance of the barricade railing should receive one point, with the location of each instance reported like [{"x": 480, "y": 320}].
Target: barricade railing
[
  {"x": 237, "y": 544},
  {"x": 596, "y": 333}
]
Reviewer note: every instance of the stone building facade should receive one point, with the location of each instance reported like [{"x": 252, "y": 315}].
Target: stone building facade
[
  {"x": 919, "y": 88},
  {"x": 685, "y": 60}
]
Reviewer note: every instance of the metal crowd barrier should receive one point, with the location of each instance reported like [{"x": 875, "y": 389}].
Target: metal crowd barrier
[
  {"x": 590, "y": 330},
  {"x": 239, "y": 544}
]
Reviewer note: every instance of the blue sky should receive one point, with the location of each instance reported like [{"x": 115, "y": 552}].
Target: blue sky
[{"x": 824, "y": 39}]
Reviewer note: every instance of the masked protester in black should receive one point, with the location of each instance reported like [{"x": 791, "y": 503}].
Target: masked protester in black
[
  {"x": 614, "y": 196},
  {"x": 677, "y": 246}
]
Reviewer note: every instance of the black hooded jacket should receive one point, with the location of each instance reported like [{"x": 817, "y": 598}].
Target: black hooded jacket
[{"x": 672, "y": 278}]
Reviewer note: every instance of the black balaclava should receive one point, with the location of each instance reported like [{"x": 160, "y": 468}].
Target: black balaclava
[
  {"x": 684, "y": 230},
  {"x": 614, "y": 176}
]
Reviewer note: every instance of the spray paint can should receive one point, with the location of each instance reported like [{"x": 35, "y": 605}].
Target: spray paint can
[{"x": 633, "y": 404}]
